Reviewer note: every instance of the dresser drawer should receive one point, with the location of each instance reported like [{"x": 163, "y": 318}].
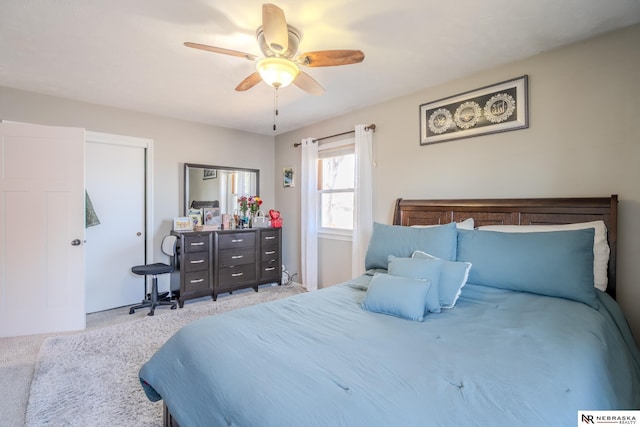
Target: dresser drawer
[
  {"x": 269, "y": 253},
  {"x": 231, "y": 276},
  {"x": 236, "y": 256},
  {"x": 196, "y": 261},
  {"x": 237, "y": 240},
  {"x": 269, "y": 237},
  {"x": 198, "y": 243},
  {"x": 196, "y": 281},
  {"x": 270, "y": 271}
]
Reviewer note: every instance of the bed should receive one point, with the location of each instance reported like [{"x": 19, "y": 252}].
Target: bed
[{"x": 472, "y": 312}]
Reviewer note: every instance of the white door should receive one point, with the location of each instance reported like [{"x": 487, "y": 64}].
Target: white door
[
  {"x": 41, "y": 229},
  {"x": 115, "y": 182}
]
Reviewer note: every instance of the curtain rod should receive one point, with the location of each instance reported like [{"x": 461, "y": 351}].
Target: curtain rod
[{"x": 370, "y": 127}]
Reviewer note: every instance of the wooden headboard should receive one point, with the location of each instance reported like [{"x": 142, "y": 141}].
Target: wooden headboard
[{"x": 517, "y": 212}]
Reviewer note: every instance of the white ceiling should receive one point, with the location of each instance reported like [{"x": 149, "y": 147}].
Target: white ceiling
[{"x": 130, "y": 53}]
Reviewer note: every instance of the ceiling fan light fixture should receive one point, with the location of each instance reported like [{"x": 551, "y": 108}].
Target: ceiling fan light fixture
[
  {"x": 277, "y": 72},
  {"x": 279, "y": 43}
]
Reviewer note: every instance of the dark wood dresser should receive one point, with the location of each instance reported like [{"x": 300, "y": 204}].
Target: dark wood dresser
[{"x": 215, "y": 262}]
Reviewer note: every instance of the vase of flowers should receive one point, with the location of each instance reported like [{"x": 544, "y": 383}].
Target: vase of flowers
[{"x": 249, "y": 206}]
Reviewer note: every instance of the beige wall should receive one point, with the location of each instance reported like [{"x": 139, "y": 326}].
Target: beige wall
[
  {"x": 175, "y": 142},
  {"x": 583, "y": 140},
  {"x": 334, "y": 262}
]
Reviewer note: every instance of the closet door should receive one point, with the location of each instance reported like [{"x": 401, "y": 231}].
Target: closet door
[
  {"x": 115, "y": 182},
  {"x": 41, "y": 229}
]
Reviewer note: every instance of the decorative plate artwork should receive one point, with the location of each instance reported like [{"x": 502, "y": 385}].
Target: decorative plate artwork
[
  {"x": 467, "y": 115},
  {"x": 440, "y": 120},
  {"x": 495, "y": 108},
  {"x": 499, "y": 108}
]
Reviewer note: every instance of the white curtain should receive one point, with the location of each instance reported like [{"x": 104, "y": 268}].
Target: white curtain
[
  {"x": 309, "y": 211},
  {"x": 363, "y": 203}
]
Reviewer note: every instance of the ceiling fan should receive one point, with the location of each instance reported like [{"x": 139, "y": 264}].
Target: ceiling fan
[{"x": 280, "y": 66}]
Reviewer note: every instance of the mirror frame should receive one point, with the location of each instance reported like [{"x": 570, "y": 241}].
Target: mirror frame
[{"x": 228, "y": 168}]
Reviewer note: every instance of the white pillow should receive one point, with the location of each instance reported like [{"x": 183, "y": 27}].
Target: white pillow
[
  {"x": 601, "y": 249},
  {"x": 467, "y": 224}
]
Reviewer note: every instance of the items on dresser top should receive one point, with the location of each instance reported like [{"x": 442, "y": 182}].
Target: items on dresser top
[
  {"x": 276, "y": 219},
  {"x": 219, "y": 261}
]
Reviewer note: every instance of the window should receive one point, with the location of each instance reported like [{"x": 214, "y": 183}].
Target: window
[{"x": 336, "y": 183}]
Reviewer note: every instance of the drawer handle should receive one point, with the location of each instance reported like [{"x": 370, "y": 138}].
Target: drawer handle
[
  {"x": 237, "y": 274},
  {"x": 197, "y": 244},
  {"x": 269, "y": 237},
  {"x": 237, "y": 257},
  {"x": 200, "y": 261},
  {"x": 269, "y": 269},
  {"x": 196, "y": 281},
  {"x": 237, "y": 240},
  {"x": 270, "y": 252}
]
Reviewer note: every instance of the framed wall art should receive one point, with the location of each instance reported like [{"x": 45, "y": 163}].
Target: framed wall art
[
  {"x": 497, "y": 108},
  {"x": 209, "y": 174},
  {"x": 287, "y": 177}
]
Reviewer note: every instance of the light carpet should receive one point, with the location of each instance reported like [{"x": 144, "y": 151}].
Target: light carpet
[{"x": 91, "y": 378}]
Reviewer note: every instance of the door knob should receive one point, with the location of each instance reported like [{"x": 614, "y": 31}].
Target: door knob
[
  {"x": 138, "y": 234},
  {"x": 75, "y": 242}
]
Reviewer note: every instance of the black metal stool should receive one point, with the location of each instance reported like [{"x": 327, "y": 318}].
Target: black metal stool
[{"x": 152, "y": 300}]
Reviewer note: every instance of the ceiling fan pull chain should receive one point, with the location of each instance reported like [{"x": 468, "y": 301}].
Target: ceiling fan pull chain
[{"x": 275, "y": 107}]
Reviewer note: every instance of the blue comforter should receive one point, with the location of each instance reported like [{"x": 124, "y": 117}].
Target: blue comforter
[{"x": 499, "y": 358}]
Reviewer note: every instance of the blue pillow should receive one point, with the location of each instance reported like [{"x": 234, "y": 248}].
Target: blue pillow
[
  {"x": 558, "y": 264},
  {"x": 453, "y": 277},
  {"x": 402, "y": 297},
  {"x": 401, "y": 241},
  {"x": 420, "y": 269}
]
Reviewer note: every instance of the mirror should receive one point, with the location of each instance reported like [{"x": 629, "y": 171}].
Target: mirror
[{"x": 218, "y": 186}]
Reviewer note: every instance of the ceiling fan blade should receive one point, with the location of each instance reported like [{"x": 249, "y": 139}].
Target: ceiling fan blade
[
  {"x": 221, "y": 50},
  {"x": 330, "y": 58},
  {"x": 249, "y": 82},
  {"x": 308, "y": 84},
  {"x": 274, "y": 26}
]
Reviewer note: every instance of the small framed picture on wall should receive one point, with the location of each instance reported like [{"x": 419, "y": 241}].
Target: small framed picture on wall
[
  {"x": 209, "y": 174},
  {"x": 287, "y": 177}
]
